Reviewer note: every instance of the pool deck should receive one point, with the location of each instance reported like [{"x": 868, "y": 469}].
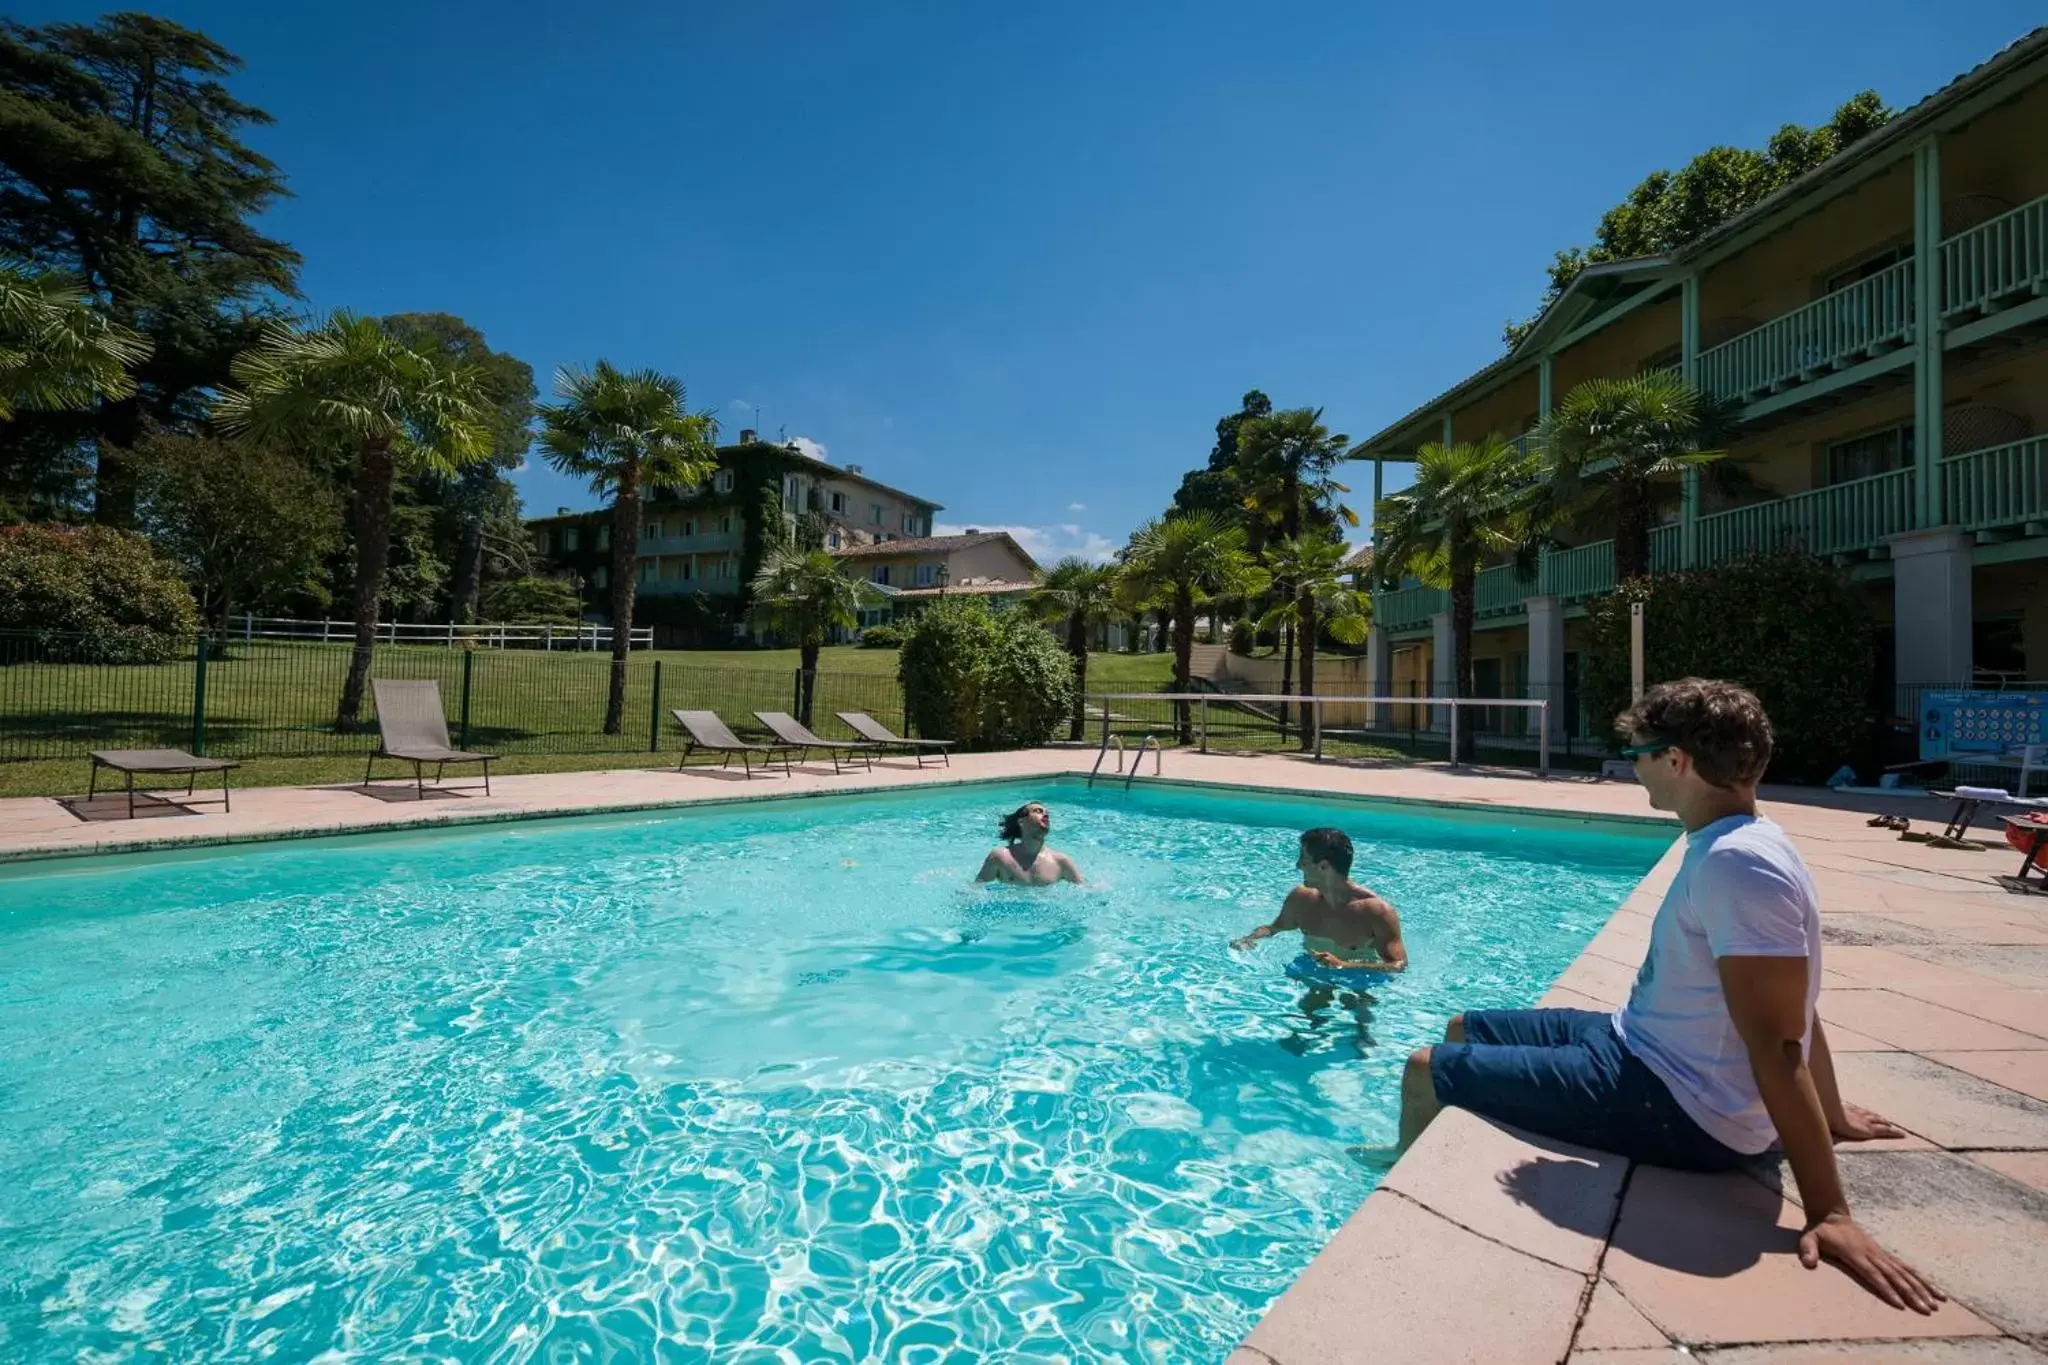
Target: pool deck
[{"x": 1484, "y": 1245}]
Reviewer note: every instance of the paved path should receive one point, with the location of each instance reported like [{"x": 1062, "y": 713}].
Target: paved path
[{"x": 1484, "y": 1246}]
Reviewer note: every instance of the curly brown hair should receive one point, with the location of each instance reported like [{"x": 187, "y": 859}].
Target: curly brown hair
[{"x": 1720, "y": 724}]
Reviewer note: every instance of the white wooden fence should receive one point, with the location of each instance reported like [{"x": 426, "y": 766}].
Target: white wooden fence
[{"x": 584, "y": 635}]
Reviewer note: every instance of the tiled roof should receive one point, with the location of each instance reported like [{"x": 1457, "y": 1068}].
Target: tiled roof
[
  {"x": 988, "y": 587},
  {"x": 918, "y": 545}
]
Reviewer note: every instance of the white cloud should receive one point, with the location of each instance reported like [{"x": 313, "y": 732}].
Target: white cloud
[
  {"x": 809, "y": 447},
  {"x": 1077, "y": 507},
  {"x": 1046, "y": 544},
  {"x": 739, "y": 403}
]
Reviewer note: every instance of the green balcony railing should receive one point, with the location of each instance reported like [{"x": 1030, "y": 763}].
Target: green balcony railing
[
  {"x": 1845, "y": 517},
  {"x": 2000, "y": 486},
  {"x": 1984, "y": 266},
  {"x": 1407, "y": 608},
  {"x": 1580, "y": 572},
  {"x": 1498, "y": 592},
  {"x": 1837, "y": 329}
]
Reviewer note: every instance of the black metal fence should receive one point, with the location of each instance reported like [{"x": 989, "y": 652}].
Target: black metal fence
[
  {"x": 279, "y": 698},
  {"x": 1505, "y": 735}
]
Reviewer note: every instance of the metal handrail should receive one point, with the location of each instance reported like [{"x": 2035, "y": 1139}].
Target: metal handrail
[
  {"x": 1541, "y": 706},
  {"x": 1103, "y": 752},
  {"x": 1158, "y": 759}
]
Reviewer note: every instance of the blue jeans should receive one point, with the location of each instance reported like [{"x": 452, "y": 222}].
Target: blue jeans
[{"x": 1567, "y": 1075}]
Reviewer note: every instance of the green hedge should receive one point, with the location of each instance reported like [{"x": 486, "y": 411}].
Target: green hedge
[
  {"x": 882, "y": 637},
  {"x": 95, "y": 595},
  {"x": 1789, "y": 627},
  {"x": 990, "y": 680}
]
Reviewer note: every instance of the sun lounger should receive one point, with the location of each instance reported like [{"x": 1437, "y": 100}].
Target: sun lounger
[
  {"x": 412, "y": 728},
  {"x": 868, "y": 728},
  {"x": 708, "y": 732},
  {"x": 129, "y": 762},
  {"x": 1969, "y": 799},
  {"x": 790, "y": 730}
]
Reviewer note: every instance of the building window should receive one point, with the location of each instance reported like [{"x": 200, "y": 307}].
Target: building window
[
  {"x": 651, "y": 531},
  {"x": 839, "y": 503},
  {"x": 909, "y": 524},
  {"x": 570, "y": 537},
  {"x": 924, "y": 575},
  {"x": 881, "y": 574},
  {"x": 725, "y": 526},
  {"x": 649, "y": 570},
  {"x": 1865, "y": 268},
  {"x": 689, "y": 526},
  {"x": 604, "y": 536},
  {"x": 722, "y": 481},
  {"x": 601, "y": 577},
  {"x": 540, "y": 541},
  {"x": 689, "y": 563},
  {"x": 832, "y": 541},
  {"x": 1871, "y": 454},
  {"x": 874, "y": 514}
]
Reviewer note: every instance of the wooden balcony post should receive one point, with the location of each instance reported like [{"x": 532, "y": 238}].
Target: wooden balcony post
[
  {"x": 1543, "y": 386},
  {"x": 1689, "y": 366},
  {"x": 1447, "y": 430},
  {"x": 1927, "y": 334}
]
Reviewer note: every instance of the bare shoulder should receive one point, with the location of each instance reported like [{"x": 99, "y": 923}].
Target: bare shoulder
[
  {"x": 1372, "y": 905},
  {"x": 995, "y": 864}
]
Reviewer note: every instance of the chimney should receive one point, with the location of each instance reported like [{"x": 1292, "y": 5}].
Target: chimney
[
  {"x": 971, "y": 531},
  {"x": 853, "y": 469},
  {"x": 746, "y": 436}
]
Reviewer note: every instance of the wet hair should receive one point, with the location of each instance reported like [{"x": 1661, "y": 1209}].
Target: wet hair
[
  {"x": 1012, "y": 825},
  {"x": 1332, "y": 846},
  {"x": 1720, "y": 724}
]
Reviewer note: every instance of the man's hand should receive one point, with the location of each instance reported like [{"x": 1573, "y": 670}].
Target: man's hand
[
  {"x": 1330, "y": 960},
  {"x": 1837, "y": 1238},
  {"x": 1858, "y": 1124}
]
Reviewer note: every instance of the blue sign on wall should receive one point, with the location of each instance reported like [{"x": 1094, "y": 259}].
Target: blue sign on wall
[{"x": 1957, "y": 723}]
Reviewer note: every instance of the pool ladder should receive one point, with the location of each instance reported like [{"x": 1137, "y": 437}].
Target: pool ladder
[{"x": 1148, "y": 742}]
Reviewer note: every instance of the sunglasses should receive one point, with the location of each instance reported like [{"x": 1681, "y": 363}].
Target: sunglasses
[{"x": 1650, "y": 750}]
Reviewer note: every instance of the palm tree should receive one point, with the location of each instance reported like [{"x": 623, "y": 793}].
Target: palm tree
[
  {"x": 1617, "y": 445},
  {"x": 1286, "y": 463},
  {"x": 348, "y": 384},
  {"x": 56, "y": 352},
  {"x": 1083, "y": 595},
  {"x": 1323, "y": 600},
  {"x": 807, "y": 594},
  {"x": 1467, "y": 502},
  {"x": 1181, "y": 560},
  {"x": 629, "y": 433}
]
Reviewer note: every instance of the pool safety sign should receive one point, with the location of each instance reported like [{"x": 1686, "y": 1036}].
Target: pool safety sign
[{"x": 1957, "y": 723}]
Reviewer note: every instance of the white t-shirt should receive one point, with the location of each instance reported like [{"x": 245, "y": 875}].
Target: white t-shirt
[{"x": 1743, "y": 891}]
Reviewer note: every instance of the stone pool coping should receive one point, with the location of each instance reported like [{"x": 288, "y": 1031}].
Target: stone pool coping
[{"x": 1482, "y": 1244}]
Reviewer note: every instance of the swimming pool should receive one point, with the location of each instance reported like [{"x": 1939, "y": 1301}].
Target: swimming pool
[{"x": 751, "y": 1082}]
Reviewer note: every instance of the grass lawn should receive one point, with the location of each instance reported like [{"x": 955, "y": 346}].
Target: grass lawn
[{"x": 273, "y": 704}]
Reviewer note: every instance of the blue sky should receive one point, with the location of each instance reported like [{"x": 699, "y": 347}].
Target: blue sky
[{"x": 1015, "y": 258}]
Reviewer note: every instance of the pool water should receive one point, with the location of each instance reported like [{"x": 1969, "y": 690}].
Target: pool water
[{"x": 759, "y": 1082}]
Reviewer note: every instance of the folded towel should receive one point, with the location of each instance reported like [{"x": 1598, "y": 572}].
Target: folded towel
[{"x": 1983, "y": 794}]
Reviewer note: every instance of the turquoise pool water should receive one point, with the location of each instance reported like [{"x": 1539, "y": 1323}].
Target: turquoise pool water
[{"x": 763, "y": 1082}]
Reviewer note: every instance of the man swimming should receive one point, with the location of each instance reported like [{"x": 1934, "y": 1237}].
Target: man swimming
[
  {"x": 1024, "y": 860},
  {"x": 1343, "y": 925}
]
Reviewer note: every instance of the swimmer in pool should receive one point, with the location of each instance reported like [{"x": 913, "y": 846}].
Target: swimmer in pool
[
  {"x": 1024, "y": 860},
  {"x": 1343, "y": 925}
]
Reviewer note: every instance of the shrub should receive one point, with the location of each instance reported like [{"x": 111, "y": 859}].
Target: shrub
[
  {"x": 1791, "y": 628},
  {"x": 987, "y": 680},
  {"x": 532, "y": 602},
  {"x": 882, "y": 637},
  {"x": 95, "y": 595},
  {"x": 1244, "y": 637}
]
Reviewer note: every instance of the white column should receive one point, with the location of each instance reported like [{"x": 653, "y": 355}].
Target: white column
[
  {"x": 1931, "y": 607},
  {"x": 1443, "y": 669},
  {"x": 1379, "y": 672},
  {"x": 1546, "y": 660}
]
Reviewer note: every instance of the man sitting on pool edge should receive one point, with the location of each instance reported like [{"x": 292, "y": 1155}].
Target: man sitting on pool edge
[
  {"x": 1344, "y": 926},
  {"x": 1719, "y": 1053},
  {"x": 1025, "y": 860}
]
